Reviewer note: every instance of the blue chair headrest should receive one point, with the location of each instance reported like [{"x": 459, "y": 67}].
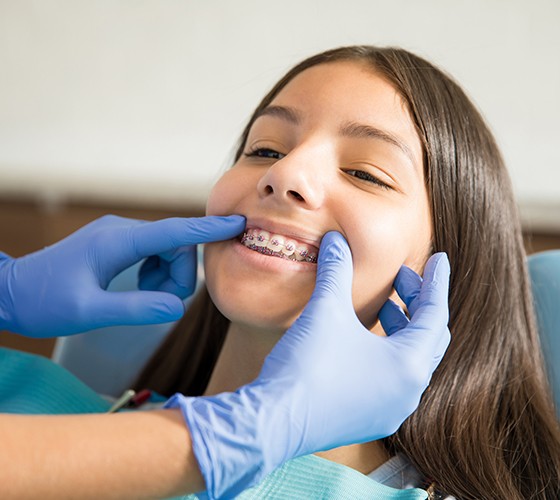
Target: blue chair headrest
[{"x": 544, "y": 269}]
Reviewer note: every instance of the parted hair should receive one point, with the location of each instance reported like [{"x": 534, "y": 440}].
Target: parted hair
[{"x": 486, "y": 426}]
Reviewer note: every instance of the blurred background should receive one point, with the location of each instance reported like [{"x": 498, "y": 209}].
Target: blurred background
[{"x": 134, "y": 106}]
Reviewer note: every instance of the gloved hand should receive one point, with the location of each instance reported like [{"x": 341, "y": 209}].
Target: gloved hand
[
  {"x": 329, "y": 381},
  {"x": 61, "y": 289}
]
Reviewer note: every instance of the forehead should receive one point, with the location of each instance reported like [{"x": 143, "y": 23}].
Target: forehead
[{"x": 353, "y": 86}]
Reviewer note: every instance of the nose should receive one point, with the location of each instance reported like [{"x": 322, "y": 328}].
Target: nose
[{"x": 294, "y": 180}]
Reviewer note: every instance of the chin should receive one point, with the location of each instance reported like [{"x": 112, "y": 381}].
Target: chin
[
  {"x": 253, "y": 296},
  {"x": 255, "y": 312}
]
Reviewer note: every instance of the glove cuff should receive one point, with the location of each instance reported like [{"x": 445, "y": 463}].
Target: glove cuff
[{"x": 237, "y": 438}]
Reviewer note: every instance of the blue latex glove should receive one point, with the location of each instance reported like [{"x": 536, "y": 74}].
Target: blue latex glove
[
  {"x": 61, "y": 289},
  {"x": 329, "y": 381}
]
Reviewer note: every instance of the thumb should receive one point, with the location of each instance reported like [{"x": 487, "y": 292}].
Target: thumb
[
  {"x": 138, "y": 308},
  {"x": 334, "y": 268}
]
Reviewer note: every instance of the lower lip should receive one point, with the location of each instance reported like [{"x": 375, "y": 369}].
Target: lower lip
[{"x": 270, "y": 262}]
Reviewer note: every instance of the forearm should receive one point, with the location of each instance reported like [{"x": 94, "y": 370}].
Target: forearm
[{"x": 128, "y": 455}]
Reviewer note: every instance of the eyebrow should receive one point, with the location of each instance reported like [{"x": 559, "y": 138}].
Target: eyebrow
[
  {"x": 288, "y": 114},
  {"x": 349, "y": 129},
  {"x": 362, "y": 131}
]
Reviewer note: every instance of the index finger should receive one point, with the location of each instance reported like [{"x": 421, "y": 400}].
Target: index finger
[{"x": 153, "y": 238}]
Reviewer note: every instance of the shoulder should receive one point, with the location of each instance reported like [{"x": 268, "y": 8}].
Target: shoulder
[{"x": 399, "y": 473}]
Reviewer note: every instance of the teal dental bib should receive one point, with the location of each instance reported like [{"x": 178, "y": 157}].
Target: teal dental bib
[
  {"x": 32, "y": 384},
  {"x": 35, "y": 385},
  {"x": 314, "y": 478}
]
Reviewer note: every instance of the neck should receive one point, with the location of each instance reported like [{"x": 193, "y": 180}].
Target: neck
[
  {"x": 240, "y": 359},
  {"x": 240, "y": 362}
]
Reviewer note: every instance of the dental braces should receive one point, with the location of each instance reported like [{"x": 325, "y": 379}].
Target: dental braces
[{"x": 298, "y": 255}]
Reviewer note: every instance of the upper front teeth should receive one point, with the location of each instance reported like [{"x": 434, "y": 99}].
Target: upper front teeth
[
  {"x": 261, "y": 240},
  {"x": 289, "y": 247},
  {"x": 276, "y": 243},
  {"x": 279, "y": 245}
]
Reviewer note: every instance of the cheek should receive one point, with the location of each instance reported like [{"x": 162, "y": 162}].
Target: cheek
[
  {"x": 374, "y": 274},
  {"x": 378, "y": 254},
  {"x": 225, "y": 194}
]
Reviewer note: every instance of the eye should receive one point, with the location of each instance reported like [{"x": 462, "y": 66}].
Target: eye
[
  {"x": 366, "y": 176},
  {"x": 265, "y": 153}
]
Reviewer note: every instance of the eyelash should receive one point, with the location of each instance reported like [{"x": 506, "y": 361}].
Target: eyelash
[
  {"x": 366, "y": 176},
  {"x": 265, "y": 153},
  {"x": 359, "y": 174}
]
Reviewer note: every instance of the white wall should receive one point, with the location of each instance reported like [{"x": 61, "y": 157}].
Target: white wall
[{"x": 138, "y": 99}]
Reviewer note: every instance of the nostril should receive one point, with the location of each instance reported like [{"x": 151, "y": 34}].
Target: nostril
[
  {"x": 268, "y": 189},
  {"x": 296, "y": 195}
]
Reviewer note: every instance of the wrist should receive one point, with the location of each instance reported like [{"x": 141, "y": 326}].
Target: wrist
[{"x": 237, "y": 437}]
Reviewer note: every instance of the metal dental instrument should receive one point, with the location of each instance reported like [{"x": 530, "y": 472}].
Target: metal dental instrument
[{"x": 122, "y": 401}]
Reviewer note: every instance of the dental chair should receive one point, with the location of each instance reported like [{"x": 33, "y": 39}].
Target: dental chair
[
  {"x": 109, "y": 359},
  {"x": 544, "y": 269}
]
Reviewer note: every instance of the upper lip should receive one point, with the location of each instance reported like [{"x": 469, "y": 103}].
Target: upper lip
[{"x": 289, "y": 230}]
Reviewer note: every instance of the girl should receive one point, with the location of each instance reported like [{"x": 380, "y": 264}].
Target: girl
[{"x": 380, "y": 145}]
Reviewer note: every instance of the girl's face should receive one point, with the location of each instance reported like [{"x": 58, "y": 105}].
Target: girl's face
[{"x": 335, "y": 150}]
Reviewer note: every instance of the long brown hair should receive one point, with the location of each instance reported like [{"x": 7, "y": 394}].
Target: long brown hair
[{"x": 486, "y": 426}]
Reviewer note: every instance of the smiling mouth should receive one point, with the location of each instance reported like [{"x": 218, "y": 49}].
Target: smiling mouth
[{"x": 279, "y": 246}]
